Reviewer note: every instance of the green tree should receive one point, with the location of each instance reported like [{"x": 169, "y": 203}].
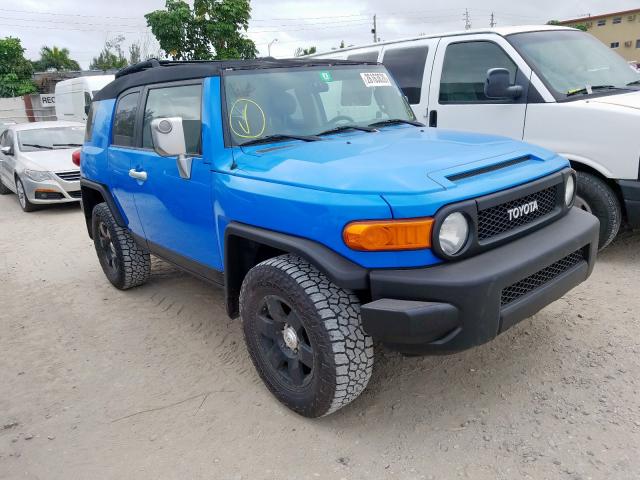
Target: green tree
[
  {"x": 15, "y": 70},
  {"x": 304, "y": 51},
  {"x": 54, "y": 57},
  {"x": 134, "y": 53},
  {"x": 211, "y": 30},
  {"x": 111, "y": 56},
  {"x": 580, "y": 26}
]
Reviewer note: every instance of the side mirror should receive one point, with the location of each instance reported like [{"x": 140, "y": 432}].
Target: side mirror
[
  {"x": 168, "y": 141},
  {"x": 498, "y": 85},
  {"x": 7, "y": 150}
]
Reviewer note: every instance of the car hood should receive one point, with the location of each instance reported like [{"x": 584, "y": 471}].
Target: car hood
[
  {"x": 394, "y": 160},
  {"x": 50, "y": 160},
  {"x": 631, "y": 100}
]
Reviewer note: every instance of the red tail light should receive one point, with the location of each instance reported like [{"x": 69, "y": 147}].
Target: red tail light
[{"x": 75, "y": 157}]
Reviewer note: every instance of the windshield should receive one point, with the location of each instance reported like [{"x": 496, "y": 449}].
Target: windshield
[
  {"x": 50, "y": 138},
  {"x": 305, "y": 102},
  {"x": 574, "y": 63}
]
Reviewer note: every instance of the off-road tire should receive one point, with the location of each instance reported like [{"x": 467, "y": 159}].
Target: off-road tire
[
  {"x": 330, "y": 319},
  {"x": 127, "y": 264},
  {"x": 603, "y": 203},
  {"x": 4, "y": 190}
]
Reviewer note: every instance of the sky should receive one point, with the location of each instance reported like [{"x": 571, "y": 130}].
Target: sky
[{"x": 82, "y": 26}]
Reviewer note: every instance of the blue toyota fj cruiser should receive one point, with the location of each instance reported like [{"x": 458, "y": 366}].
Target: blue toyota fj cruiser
[{"x": 331, "y": 217}]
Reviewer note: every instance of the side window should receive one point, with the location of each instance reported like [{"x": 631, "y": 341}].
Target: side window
[
  {"x": 464, "y": 71},
  {"x": 3, "y": 137},
  {"x": 364, "y": 57},
  {"x": 124, "y": 120},
  {"x": 180, "y": 101},
  {"x": 407, "y": 67}
]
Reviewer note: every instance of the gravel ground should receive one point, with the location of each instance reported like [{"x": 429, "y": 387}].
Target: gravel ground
[{"x": 156, "y": 383}]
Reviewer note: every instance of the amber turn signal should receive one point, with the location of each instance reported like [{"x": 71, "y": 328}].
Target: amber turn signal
[{"x": 388, "y": 235}]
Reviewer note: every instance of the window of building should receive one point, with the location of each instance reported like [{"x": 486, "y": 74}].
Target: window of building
[
  {"x": 180, "y": 101},
  {"x": 617, "y": 20},
  {"x": 637, "y": 43},
  {"x": 124, "y": 120},
  {"x": 464, "y": 71},
  {"x": 602, "y": 23},
  {"x": 407, "y": 67},
  {"x": 615, "y": 44}
]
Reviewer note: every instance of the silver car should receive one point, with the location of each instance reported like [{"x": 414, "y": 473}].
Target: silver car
[{"x": 35, "y": 162}]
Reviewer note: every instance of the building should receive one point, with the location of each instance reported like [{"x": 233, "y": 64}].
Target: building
[{"x": 619, "y": 30}]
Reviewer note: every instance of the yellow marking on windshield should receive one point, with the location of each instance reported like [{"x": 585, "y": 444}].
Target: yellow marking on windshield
[{"x": 242, "y": 111}]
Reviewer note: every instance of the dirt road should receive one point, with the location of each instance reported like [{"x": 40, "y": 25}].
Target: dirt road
[{"x": 156, "y": 383}]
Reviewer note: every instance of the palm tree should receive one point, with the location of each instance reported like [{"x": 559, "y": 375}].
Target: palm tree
[{"x": 54, "y": 57}]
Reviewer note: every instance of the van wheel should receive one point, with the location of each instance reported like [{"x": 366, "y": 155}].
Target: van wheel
[
  {"x": 304, "y": 336},
  {"x": 596, "y": 197},
  {"x": 125, "y": 263}
]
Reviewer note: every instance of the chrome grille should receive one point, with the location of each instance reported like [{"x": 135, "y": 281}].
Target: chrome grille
[
  {"x": 72, "y": 176},
  {"x": 495, "y": 220},
  {"x": 538, "y": 279}
]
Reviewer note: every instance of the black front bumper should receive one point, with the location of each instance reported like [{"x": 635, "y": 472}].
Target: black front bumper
[
  {"x": 631, "y": 195},
  {"x": 458, "y": 305}
]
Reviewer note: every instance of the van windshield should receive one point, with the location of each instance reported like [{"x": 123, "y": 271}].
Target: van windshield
[
  {"x": 575, "y": 64},
  {"x": 265, "y": 104}
]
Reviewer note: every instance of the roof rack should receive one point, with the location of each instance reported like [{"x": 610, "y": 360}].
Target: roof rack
[{"x": 262, "y": 62}]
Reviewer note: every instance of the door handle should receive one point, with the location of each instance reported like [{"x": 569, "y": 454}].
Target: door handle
[
  {"x": 433, "y": 118},
  {"x": 142, "y": 176}
]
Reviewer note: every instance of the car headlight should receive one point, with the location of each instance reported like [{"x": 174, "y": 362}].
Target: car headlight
[
  {"x": 569, "y": 190},
  {"x": 37, "y": 175},
  {"x": 453, "y": 233}
]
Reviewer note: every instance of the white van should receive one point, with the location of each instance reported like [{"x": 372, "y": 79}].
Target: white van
[
  {"x": 553, "y": 86},
  {"x": 73, "y": 97}
]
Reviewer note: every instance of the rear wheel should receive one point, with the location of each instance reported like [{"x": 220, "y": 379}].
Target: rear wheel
[
  {"x": 24, "y": 202},
  {"x": 304, "y": 336},
  {"x": 596, "y": 197},
  {"x": 125, "y": 263}
]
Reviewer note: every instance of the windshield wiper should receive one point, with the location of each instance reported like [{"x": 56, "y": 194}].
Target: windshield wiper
[
  {"x": 67, "y": 144},
  {"x": 635, "y": 82},
  {"x": 394, "y": 121},
  {"x": 343, "y": 128},
  {"x": 589, "y": 90},
  {"x": 281, "y": 136},
  {"x": 35, "y": 145}
]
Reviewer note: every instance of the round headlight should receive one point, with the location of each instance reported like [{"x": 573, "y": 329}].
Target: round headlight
[
  {"x": 453, "y": 234},
  {"x": 569, "y": 190}
]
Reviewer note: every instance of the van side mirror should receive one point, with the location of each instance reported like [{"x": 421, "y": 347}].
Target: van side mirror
[
  {"x": 168, "y": 141},
  {"x": 7, "y": 150},
  {"x": 498, "y": 85}
]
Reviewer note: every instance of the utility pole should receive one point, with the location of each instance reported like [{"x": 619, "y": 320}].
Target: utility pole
[
  {"x": 493, "y": 20},
  {"x": 374, "y": 30},
  {"x": 467, "y": 19}
]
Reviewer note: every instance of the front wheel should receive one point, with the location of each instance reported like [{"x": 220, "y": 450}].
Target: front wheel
[
  {"x": 597, "y": 198},
  {"x": 304, "y": 336},
  {"x": 24, "y": 202}
]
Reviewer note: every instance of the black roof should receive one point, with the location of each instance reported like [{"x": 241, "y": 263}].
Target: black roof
[{"x": 160, "y": 71}]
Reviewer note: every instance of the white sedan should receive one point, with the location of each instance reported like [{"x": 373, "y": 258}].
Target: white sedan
[{"x": 35, "y": 162}]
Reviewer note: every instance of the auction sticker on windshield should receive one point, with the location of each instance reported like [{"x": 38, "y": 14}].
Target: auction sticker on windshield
[{"x": 376, "y": 79}]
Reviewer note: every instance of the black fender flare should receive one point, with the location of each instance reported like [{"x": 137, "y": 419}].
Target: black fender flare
[
  {"x": 337, "y": 268},
  {"x": 88, "y": 202}
]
